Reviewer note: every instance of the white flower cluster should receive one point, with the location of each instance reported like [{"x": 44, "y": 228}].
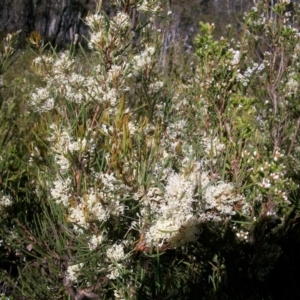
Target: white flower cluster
[
  {"x": 77, "y": 216},
  {"x": 270, "y": 175},
  {"x": 102, "y": 36},
  {"x": 115, "y": 253},
  {"x": 177, "y": 210},
  {"x": 173, "y": 210},
  {"x": 62, "y": 143},
  {"x": 95, "y": 205},
  {"x": 256, "y": 20},
  {"x": 99, "y": 40},
  {"x": 244, "y": 78},
  {"x": 61, "y": 80},
  {"x": 95, "y": 21},
  {"x": 236, "y": 56},
  {"x": 121, "y": 21},
  {"x": 174, "y": 133},
  {"x": 115, "y": 270},
  {"x": 73, "y": 271},
  {"x": 3, "y": 296},
  {"x": 106, "y": 83},
  {"x": 213, "y": 147},
  {"x": 42, "y": 99},
  {"x": 144, "y": 59},
  {"x": 95, "y": 241},
  {"x": 60, "y": 191},
  {"x": 64, "y": 64},
  {"x": 222, "y": 198},
  {"x": 120, "y": 294},
  {"x": 8, "y": 45},
  {"x": 5, "y": 200},
  {"x": 155, "y": 87},
  {"x": 112, "y": 189},
  {"x": 292, "y": 85},
  {"x": 149, "y": 6},
  {"x": 243, "y": 235}
]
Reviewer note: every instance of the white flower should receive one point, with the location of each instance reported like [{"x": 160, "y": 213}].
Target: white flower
[
  {"x": 114, "y": 270},
  {"x": 115, "y": 208},
  {"x": 221, "y": 197},
  {"x": 275, "y": 176},
  {"x": 73, "y": 271},
  {"x": 261, "y": 67},
  {"x": 155, "y": 86},
  {"x": 114, "y": 74},
  {"x": 144, "y": 59},
  {"x": 111, "y": 96},
  {"x": 115, "y": 252},
  {"x": 99, "y": 40},
  {"x": 60, "y": 192},
  {"x": 277, "y": 155},
  {"x": 77, "y": 215},
  {"x": 120, "y": 294},
  {"x": 62, "y": 64},
  {"x": 95, "y": 241},
  {"x": 292, "y": 85},
  {"x": 41, "y": 100},
  {"x": 62, "y": 162},
  {"x": 266, "y": 184},
  {"x": 93, "y": 207},
  {"x": 149, "y": 5},
  {"x": 121, "y": 20},
  {"x": 175, "y": 209},
  {"x": 94, "y": 21},
  {"x": 5, "y": 200},
  {"x": 212, "y": 146},
  {"x": 236, "y": 57}
]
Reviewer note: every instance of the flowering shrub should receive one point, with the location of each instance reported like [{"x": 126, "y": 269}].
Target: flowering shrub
[{"x": 127, "y": 177}]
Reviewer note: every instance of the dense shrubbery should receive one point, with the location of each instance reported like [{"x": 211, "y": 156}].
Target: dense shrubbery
[{"x": 117, "y": 182}]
